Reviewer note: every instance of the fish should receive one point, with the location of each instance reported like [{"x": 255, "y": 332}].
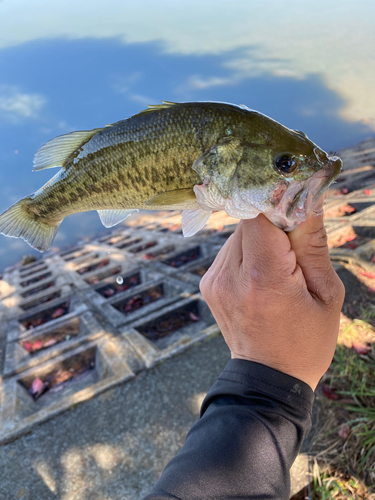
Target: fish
[{"x": 197, "y": 157}]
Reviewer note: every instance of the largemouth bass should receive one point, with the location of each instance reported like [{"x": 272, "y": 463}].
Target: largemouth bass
[{"x": 197, "y": 157}]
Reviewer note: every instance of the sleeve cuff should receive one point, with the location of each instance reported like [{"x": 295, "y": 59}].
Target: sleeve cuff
[{"x": 244, "y": 378}]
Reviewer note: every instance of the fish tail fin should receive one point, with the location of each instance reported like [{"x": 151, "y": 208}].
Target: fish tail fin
[{"x": 19, "y": 222}]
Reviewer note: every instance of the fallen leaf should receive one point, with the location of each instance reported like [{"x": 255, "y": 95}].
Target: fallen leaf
[
  {"x": 368, "y": 274},
  {"x": 49, "y": 342},
  {"x": 344, "y": 431},
  {"x": 28, "y": 346},
  {"x": 361, "y": 348},
  {"x": 352, "y": 246},
  {"x": 37, "y": 386},
  {"x": 37, "y": 345},
  {"x": 58, "y": 312},
  {"x": 193, "y": 317},
  {"x": 328, "y": 392}
]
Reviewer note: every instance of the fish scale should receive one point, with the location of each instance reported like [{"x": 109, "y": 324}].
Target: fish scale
[{"x": 195, "y": 157}]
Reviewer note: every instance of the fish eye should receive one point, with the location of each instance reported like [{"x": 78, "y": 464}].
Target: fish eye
[{"x": 286, "y": 164}]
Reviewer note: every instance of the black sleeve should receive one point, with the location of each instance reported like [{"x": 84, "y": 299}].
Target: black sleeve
[{"x": 253, "y": 422}]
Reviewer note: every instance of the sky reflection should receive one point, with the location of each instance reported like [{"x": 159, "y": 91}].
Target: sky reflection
[{"x": 69, "y": 67}]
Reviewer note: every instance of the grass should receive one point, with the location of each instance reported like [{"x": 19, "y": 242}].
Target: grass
[
  {"x": 344, "y": 448},
  {"x": 333, "y": 485}
]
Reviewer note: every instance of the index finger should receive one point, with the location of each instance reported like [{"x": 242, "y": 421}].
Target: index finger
[{"x": 267, "y": 253}]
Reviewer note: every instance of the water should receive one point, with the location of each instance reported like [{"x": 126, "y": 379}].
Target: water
[{"x": 64, "y": 66}]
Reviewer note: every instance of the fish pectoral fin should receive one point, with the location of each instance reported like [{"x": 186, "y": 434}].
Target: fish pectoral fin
[
  {"x": 176, "y": 197},
  {"x": 110, "y": 218},
  {"x": 54, "y": 153},
  {"x": 193, "y": 220}
]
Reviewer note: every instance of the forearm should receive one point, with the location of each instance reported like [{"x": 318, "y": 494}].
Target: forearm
[{"x": 253, "y": 422}]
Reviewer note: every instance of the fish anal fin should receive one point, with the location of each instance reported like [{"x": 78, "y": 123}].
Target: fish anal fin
[
  {"x": 193, "y": 220},
  {"x": 175, "y": 197},
  {"x": 54, "y": 153},
  {"x": 110, "y": 218}
]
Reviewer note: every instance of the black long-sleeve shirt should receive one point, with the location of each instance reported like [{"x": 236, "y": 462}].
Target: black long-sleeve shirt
[{"x": 253, "y": 422}]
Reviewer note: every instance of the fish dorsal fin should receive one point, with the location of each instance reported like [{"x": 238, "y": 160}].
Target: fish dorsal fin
[
  {"x": 54, "y": 153},
  {"x": 176, "y": 197},
  {"x": 110, "y": 218},
  {"x": 156, "y": 107},
  {"x": 193, "y": 220}
]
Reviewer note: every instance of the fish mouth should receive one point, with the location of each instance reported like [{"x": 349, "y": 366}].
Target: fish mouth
[{"x": 301, "y": 197}]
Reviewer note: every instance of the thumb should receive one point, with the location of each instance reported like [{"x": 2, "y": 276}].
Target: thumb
[{"x": 309, "y": 242}]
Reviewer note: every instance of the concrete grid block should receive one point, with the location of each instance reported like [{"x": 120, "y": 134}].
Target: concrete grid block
[
  {"x": 119, "y": 265},
  {"x": 28, "y": 323},
  {"x": 18, "y": 305},
  {"x": 184, "y": 257},
  {"x": 63, "y": 335},
  {"x": 115, "y": 236},
  {"x": 6, "y": 289},
  {"x": 142, "y": 244},
  {"x": 19, "y": 411},
  {"x": 171, "y": 330},
  {"x": 194, "y": 272},
  {"x": 154, "y": 292}
]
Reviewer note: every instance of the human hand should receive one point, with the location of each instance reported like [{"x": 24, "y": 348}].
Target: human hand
[{"x": 276, "y": 297}]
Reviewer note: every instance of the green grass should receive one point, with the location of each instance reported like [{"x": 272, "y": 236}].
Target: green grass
[{"x": 352, "y": 377}]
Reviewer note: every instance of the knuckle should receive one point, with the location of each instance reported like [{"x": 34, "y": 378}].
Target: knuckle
[
  {"x": 220, "y": 285},
  {"x": 317, "y": 239},
  {"x": 214, "y": 287},
  {"x": 334, "y": 292}
]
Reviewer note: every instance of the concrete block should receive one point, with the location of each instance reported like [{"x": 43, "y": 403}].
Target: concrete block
[
  {"x": 51, "y": 314},
  {"x": 194, "y": 272},
  {"x": 118, "y": 265},
  {"x": 22, "y": 282},
  {"x": 177, "y": 261},
  {"x": 6, "y": 289},
  {"x": 351, "y": 236},
  {"x": 171, "y": 330},
  {"x": 300, "y": 476},
  {"x": 155, "y": 291},
  {"x": 114, "y": 237},
  {"x": 19, "y": 410},
  {"x": 17, "y": 305},
  {"x": 52, "y": 281},
  {"x": 49, "y": 341}
]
